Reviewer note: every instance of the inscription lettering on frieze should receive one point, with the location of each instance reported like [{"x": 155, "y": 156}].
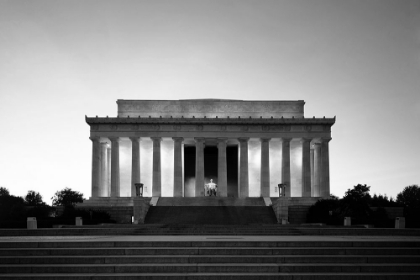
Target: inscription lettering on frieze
[
  {"x": 308, "y": 127},
  {"x": 113, "y": 127},
  {"x": 135, "y": 127},
  {"x": 223, "y": 127},
  {"x": 177, "y": 127},
  {"x": 199, "y": 127}
]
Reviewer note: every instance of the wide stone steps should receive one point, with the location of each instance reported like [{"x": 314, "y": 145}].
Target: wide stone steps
[
  {"x": 210, "y": 215},
  {"x": 210, "y": 259}
]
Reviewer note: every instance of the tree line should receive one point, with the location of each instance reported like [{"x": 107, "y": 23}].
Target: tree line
[
  {"x": 15, "y": 209},
  {"x": 363, "y": 208}
]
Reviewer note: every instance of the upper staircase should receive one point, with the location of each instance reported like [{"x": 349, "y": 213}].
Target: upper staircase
[{"x": 210, "y": 211}]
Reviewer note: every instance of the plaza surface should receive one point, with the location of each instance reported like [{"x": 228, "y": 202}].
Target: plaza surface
[{"x": 186, "y": 238}]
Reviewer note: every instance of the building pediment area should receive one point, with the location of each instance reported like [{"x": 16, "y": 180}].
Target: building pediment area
[{"x": 174, "y": 148}]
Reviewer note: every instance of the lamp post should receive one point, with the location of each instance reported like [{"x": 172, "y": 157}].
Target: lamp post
[
  {"x": 139, "y": 189},
  {"x": 282, "y": 190}
]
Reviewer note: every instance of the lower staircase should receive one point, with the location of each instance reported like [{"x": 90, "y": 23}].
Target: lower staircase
[{"x": 211, "y": 258}]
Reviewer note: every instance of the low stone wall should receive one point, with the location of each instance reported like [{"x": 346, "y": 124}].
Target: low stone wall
[
  {"x": 392, "y": 212},
  {"x": 282, "y": 205},
  {"x": 298, "y": 213},
  {"x": 120, "y": 214}
]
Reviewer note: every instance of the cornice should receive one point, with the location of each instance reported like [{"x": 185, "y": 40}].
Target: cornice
[{"x": 197, "y": 121}]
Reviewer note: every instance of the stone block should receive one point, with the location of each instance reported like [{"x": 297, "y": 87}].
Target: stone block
[
  {"x": 79, "y": 221},
  {"x": 347, "y": 221},
  {"x": 399, "y": 222},
  {"x": 140, "y": 209},
  {"x": 31, "y": 223}
]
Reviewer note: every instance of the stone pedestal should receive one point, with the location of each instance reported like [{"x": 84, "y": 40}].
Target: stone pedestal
[
  {"x": 31, "y": 223},
  {"x": 347, "y": 221},
  {"x": 140, "y": 207},
  {"x": 79, "y": 221},
  {"x": 399, "y": 222}
]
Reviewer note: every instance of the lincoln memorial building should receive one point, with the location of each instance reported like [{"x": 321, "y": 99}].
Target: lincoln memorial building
[{"x": 175, "y": 147}]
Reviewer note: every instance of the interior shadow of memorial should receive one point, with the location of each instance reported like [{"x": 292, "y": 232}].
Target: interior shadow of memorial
[{"x": 211, "y": 168}]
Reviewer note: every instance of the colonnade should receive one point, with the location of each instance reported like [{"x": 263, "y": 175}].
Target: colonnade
[{"x": 315, "y": 167}]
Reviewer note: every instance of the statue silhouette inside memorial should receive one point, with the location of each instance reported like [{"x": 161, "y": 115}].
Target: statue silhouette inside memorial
[{"x": 210, "y": 188}]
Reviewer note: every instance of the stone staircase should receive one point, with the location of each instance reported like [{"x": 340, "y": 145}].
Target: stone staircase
[
  {"x": 190, "y": 229},
  {"x": 210, "y": 215},
  {"x": 212, "y": 258}
]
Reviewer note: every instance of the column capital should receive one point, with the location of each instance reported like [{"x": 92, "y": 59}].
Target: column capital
[
  {"x": 114, "y": 139},
  {"x": 243, "y": 139},
  {"x": 95, "y": 138},
  {"x": 286, "y": 139},
  {"x": 133, "y": 139},
  {"x": 178, "y": 139},
  {"x": 104, "y": 144},
  {"x": 304, "y": 139},
  {"x": 221, "y": 141},
  {"x": 154, "y": 139},
  {"x": 325, "y": 140},
  {"x": 265, "y": 139},
  {"x": 199, "y": 139}
]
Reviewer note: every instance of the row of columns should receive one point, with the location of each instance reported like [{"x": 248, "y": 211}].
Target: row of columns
[{"x": 314, "y": 183}]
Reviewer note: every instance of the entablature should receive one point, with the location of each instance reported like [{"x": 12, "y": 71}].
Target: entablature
[{"x": 211, "y": 121}]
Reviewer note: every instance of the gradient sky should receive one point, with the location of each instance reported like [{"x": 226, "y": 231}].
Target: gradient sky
[{"x": 62, "y": 60}]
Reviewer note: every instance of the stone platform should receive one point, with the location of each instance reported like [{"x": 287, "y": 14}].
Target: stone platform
[{"x": 210, "y": 257}]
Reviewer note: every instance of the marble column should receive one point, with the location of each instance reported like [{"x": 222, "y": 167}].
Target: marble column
[
  {"x": 157, "y": 176},
  {"x": 325, "y": 167},
  {"x": 265, "y": 167},
  {"x": 135, "y": 164},
  {"x": 115, "y": 166},
  {"x": 317, "y": 169},
  {"x": 285, "y": 165},
  {"x": 306, "y": 167},
  {"x": 243, "y": 173},
  {"x": 178, "y": 174},
  {"x": 312, "y": 171},
  {"x": 103, "y": 189},
  {"x": 108, "y": 159},
  {"x": 222, "y": 168},
  {"x": 96, "y": 166},
  {"x": 199, "y": 167}
]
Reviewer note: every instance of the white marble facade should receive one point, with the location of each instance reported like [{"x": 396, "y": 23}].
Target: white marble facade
[{"x": 145, "y": 143}]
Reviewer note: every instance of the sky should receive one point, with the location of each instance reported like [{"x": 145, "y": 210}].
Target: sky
[{"x": 356, "y": 60}]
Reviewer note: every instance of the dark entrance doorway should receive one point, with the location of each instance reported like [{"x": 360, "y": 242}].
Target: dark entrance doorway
[
  {"x": 210, "y": 164},
  {"x": 210, "y": 169}
]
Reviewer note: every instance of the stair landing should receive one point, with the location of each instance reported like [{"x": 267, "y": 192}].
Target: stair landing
[{"x": 210, "y": 201}]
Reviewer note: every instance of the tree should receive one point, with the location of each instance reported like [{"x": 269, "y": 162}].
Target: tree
[
  {"x": 382, "y": 201},
  {"x": 12, "y": 208},
  {"x": 4, "y": 192},
  {"x": 355, "y": 202},
  {"x": 410, "y": 199},
  {"x": 67, "y": 197},
  {"x": 34, "y": 198}
]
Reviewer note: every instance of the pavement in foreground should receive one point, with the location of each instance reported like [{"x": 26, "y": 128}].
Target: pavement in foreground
[{"x": 146, "y": 238}]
